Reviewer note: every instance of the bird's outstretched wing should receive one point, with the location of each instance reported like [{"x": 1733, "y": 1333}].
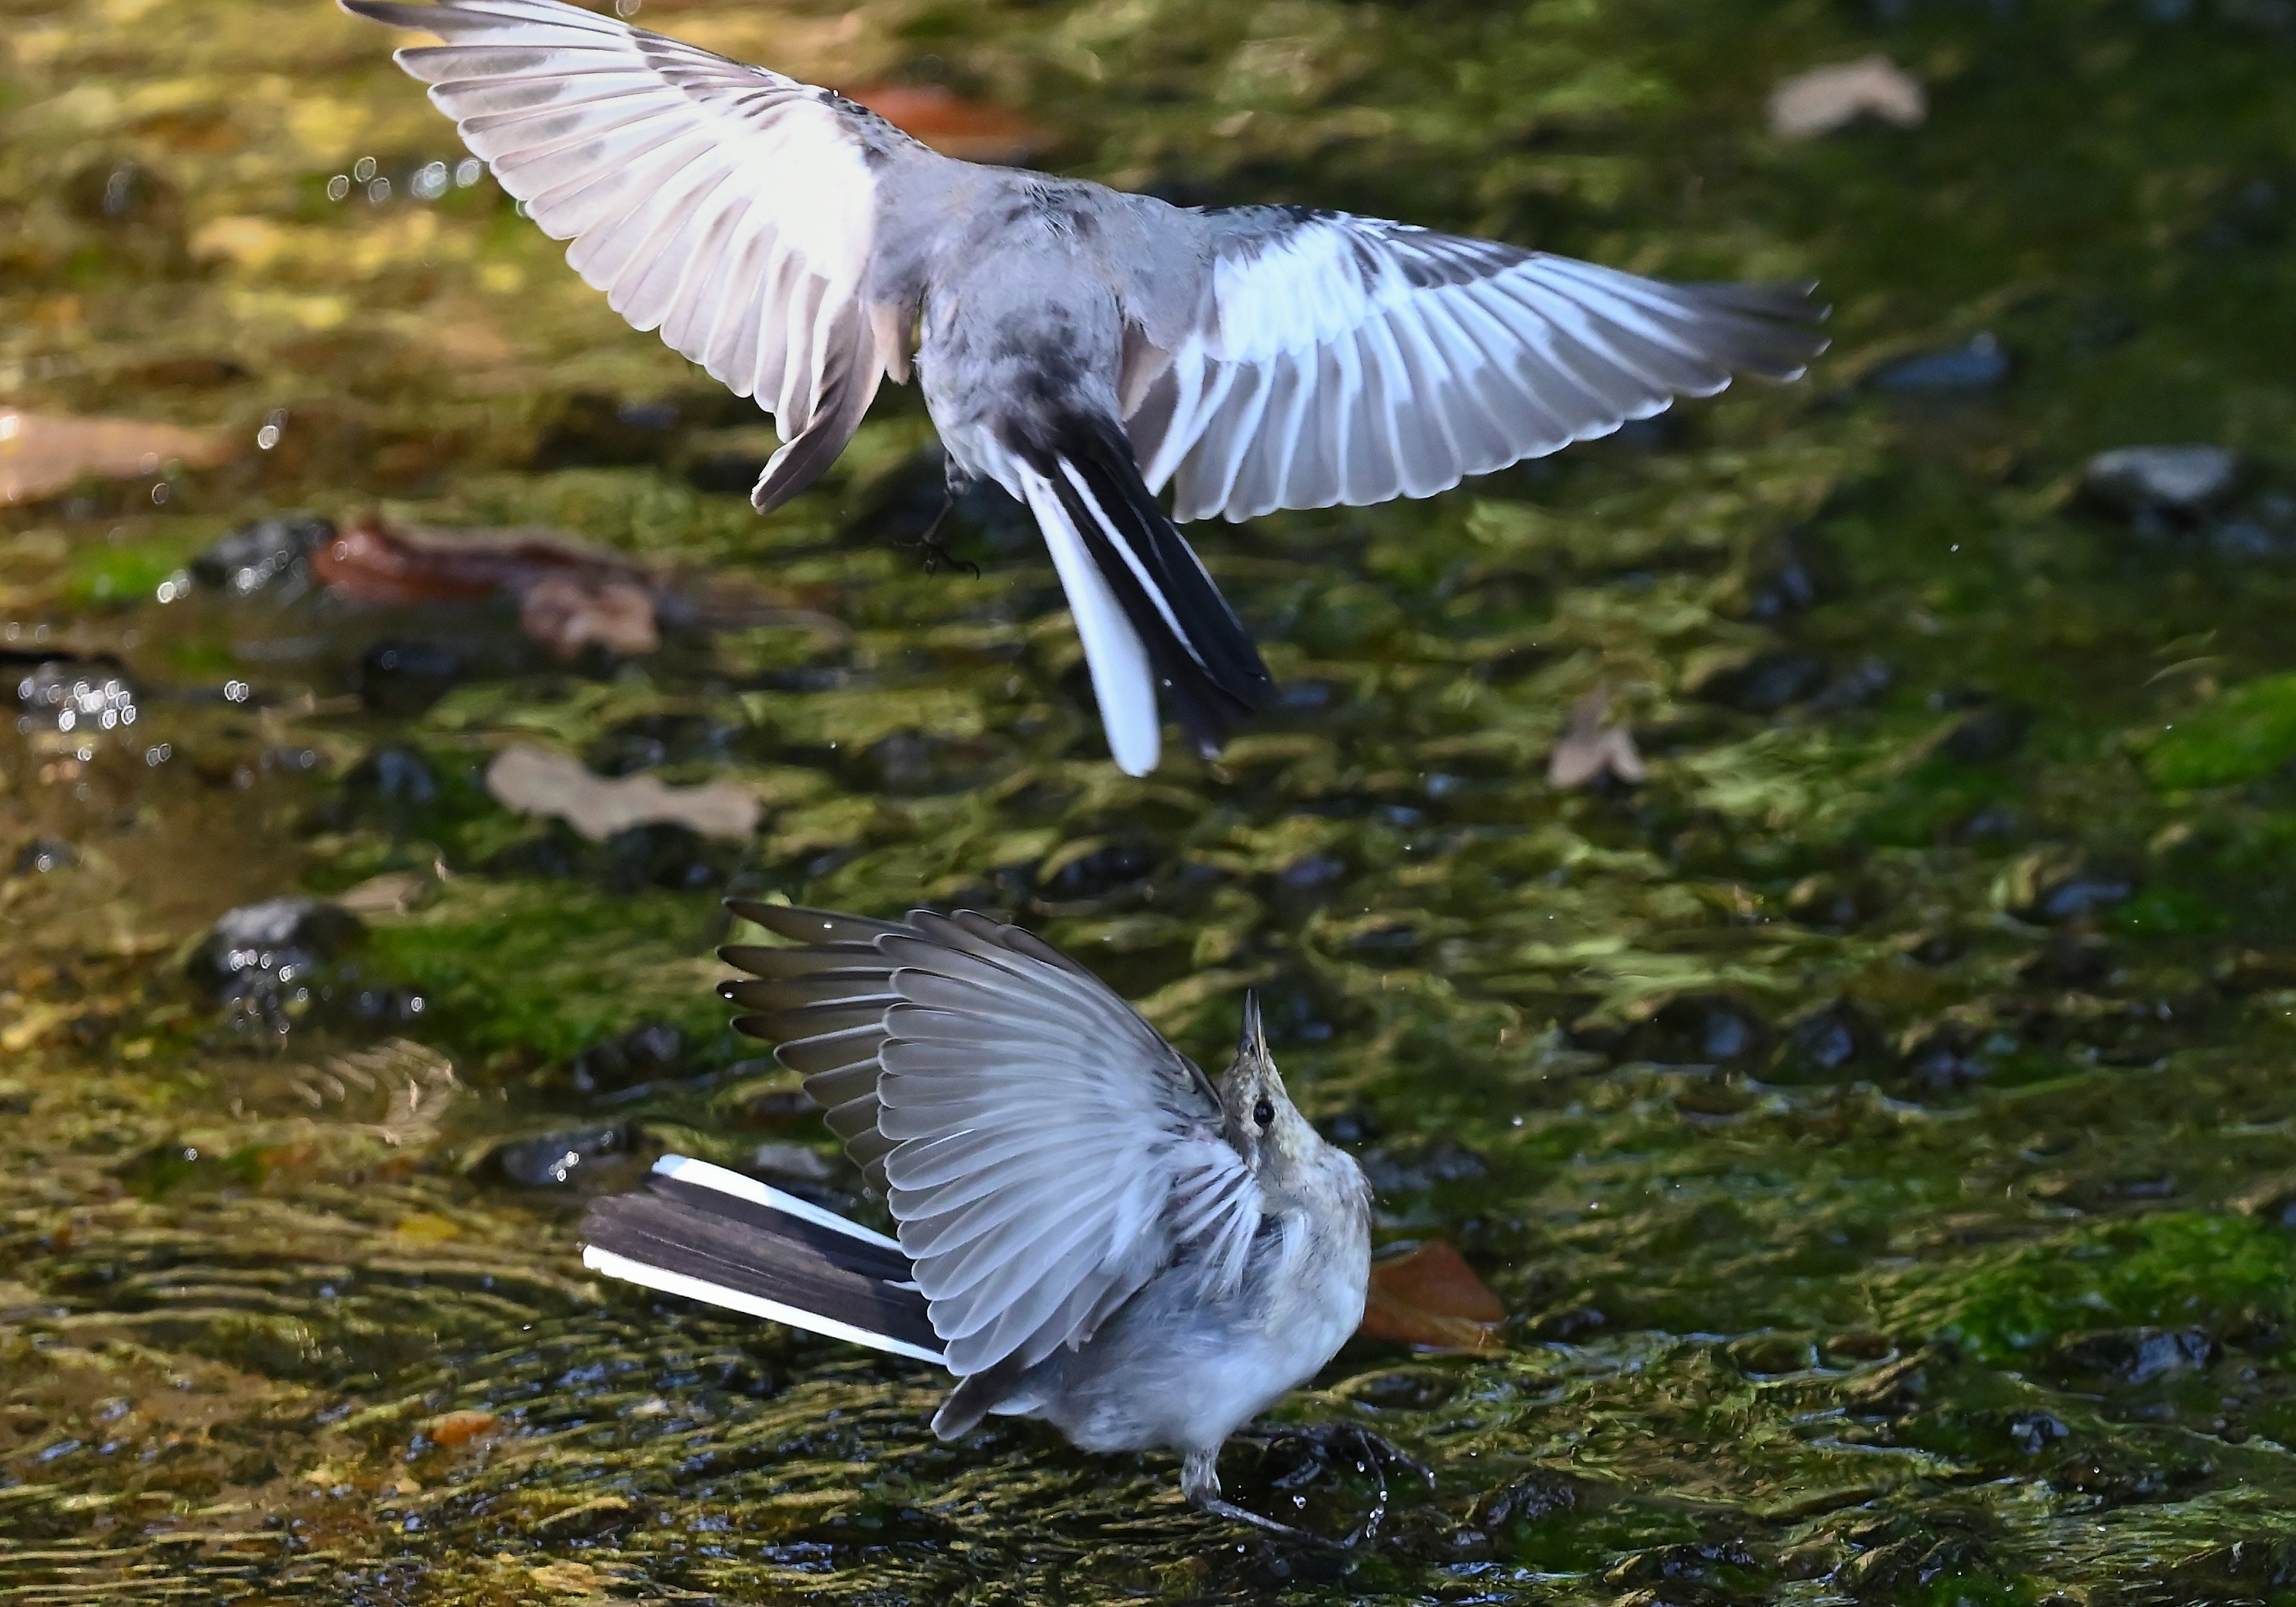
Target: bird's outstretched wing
[
  {"x": 735, "y": 209},
  {"x": 1043, "y": 1149},
  {"x": 1328, "y": 358}
]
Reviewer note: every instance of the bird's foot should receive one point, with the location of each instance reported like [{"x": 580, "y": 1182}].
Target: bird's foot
[
  {"x": 1200, "y": 1483},
  {"x": 937, "y": 552},
  {"x": 1349, "y": 1444}
]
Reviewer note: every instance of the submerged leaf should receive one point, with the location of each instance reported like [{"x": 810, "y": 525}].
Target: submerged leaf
[
  {"x": 42, "y": 454},
  {"x": 1827, "y": 98},
  {"x": 1590, "y": 748},
  {"x": 1431, "y": 1298},
  {"x": 534, "y": 781}
]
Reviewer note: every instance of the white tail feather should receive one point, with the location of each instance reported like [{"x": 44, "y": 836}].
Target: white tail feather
[
  {"x": 750, "y": 1304},
  {"x": 1120, "y": 677}
]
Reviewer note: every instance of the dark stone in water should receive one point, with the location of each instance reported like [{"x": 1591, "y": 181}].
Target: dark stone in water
[
  {"x": 645, "y": 1052},
  {"x": 1989, "y": 736},
  {"x": 1939, "y": 1058},
  {"x": 407, "y": 677},
  {"x": 594, "y": 431},
  {"x": 280, "y": 938},
  {"x": 257, "y": 555},
  {"x": 1539, "y": 1494},
  {"x": 1569, "y": 1325},
  {"x": 1703, "y": 1030},
  {"x": 2137, "y": 1356},
  {"x": 1978, "y": 364},
  {"x": 551, "y": 1160},
  {"x": 394, "y": 782},
  {"x": 1829, "y": 1037},
  {"x": 45, "y": 854},
  {"x": 2180, "y": 483},
  {"x": 1102, "y": 871},
  {"x": 664, "y": 854},
  {"x": 2069, "y": 960},
  {"x": 1768, "y": 683},
  {"x": 2077, "y": 896},
  {"x": 1795, "y": 576}
]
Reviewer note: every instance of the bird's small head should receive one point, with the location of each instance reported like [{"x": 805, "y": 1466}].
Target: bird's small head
[{"x": 1262, "y": 1122}]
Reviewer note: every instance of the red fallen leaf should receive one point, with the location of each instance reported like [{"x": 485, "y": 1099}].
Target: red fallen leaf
[
  {"x": 951, "y": 124},
  {"x": 1431, "y": 1298}
]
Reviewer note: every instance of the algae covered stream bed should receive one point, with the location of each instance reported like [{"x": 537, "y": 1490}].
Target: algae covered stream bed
[{"x": 1877, "y": 1121}]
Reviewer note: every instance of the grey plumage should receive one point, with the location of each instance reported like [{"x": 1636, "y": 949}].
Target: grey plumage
[
  {"x": 1095, "y": 1234},
  {"x": 1082, "y": 347}
]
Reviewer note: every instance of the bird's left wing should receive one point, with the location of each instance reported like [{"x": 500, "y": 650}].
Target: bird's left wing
[
  {"x": 1321, "y": 358},
  {"x": 1043, "y": 1149},
  {"x": 736, "y": 210}
]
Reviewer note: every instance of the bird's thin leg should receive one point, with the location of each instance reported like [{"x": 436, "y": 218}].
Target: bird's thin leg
[
  {"x": 937, "y": 550},
  {"x": 1200, "y": 1483},
  {"x": 1371, "y": 1453}
]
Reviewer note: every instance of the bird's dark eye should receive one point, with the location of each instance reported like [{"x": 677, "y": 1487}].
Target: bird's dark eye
[{"x": 1263, "y": 1112}]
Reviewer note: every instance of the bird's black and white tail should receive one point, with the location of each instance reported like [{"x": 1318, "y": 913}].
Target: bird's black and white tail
[
  {"x": 713, "y": 1235},
  {"x": 1150, "y": 615}
]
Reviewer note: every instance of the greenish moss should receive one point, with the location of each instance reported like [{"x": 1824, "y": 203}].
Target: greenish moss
[{"x": 2250, "y": 730}]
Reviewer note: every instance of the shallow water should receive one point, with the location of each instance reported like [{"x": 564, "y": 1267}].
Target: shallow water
[{"x": 1878, "y": 1122}]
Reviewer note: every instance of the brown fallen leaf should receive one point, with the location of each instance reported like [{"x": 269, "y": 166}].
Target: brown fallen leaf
[
  {"x": 951, "y": 124},
  {"x": 456, "y": 1428},
  {"x": 42, "y": 454},
  {"x": 1828, "y": 98},
  {"x": 535, "y": 781},
  {"x": 1589, "y": 749},
  {"x": 567, "y": 613},
  {"x": 1431, "y": 1298}
]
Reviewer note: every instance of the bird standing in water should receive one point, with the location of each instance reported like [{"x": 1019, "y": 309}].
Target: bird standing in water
[
  {"x": 1090, "y": 1231},
  {"x": 1082, "y": 347}
]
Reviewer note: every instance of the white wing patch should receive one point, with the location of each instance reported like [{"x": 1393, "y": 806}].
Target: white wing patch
[
  {"x": 1339, "y": 359},
  {"x": 730, "y": 208}
]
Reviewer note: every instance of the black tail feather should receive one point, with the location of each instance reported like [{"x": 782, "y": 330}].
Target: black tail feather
[
  {"x": 700, "y": 1232},
  {"x": 1208, "y": 666}
]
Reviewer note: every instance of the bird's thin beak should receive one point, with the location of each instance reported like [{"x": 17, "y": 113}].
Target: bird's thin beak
[{"x": 1254, "y": 1044}]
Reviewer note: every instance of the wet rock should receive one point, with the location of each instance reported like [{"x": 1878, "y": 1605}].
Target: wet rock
[
  {"x": 594, "y": 431},
  {"x": 1796, "y": 573},
  {"x": 1311, "y": 871},
  {"x": 1402, "y": 1170},
  {"x": 1900, "y": 1569},
  {"x": 2137, "y": 1356},
  {"x": 2069, "y": 959},
  {"x": 1695, "y": 1563},
  {"x": 256, "y": 555},
  {"x": 552, "y": 1159},
  {"x": 2259, "y": 1570},
  {"x": 1940, "y": 1057},
  {"x": 2077, "y": 896},
  {"x": 1099, "y": 871},
  {"x": 1835, "y": 903},
  {"x": 644, "y": 1053},
  {"x": 2274, "y": 1203},
  {"x": 1989, "y": 736},
  {"x": 1538, "y": 1494},
  {"x": 1854, "y": 687},
  {"x": 261, "y": 961},
  {"x": 665, "y": 854},
  {"x": 1771, "y": 1354},
  {"x": 1978, "y": 364},
  {"x": 45, "y": 854},
  {"x": 774, "y": 1108},
  {"x": 393, "y": 785},
  {"x": 1568, "y": 1325},
  {"x": 798, "y": 1162},
  {"x": 2036, "y": 1432},
  {"x": 1766, "y": 684},
  {"x": 82, "y": 696},
  {"x": 404, "y": 678},
  {"x": 1829, "y": 1037},
  {"x": 2176, "y": 484},
  {"x": 1703, "y": 1030},
  {"x": 1352, "y": 1128}
]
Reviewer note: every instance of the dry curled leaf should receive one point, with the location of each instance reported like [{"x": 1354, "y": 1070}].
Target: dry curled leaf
[
  {"x": 457, "y": 1428},
  {"x": 1827, "y": 98},
  {"x": 1431, "y": 1298},
  {"x": 1590, "y": 748},
  {"x": 567, "y": 613},
  {"x": 535, "y": 781},
  {"x": 44, "y": 453},
  {"x": 951, "y": 124}
]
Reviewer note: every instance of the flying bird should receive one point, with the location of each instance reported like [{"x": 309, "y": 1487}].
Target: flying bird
[
  {"x": 1082, "y": 347},
  {"x": 1090, "y": 1231}
]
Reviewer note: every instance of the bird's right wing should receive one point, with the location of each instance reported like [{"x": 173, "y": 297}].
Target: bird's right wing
[
  {"x": 732, "y": 208},
  {"x": 1326, "y": 359},
  {"x": 1043, "y": 1149}
]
